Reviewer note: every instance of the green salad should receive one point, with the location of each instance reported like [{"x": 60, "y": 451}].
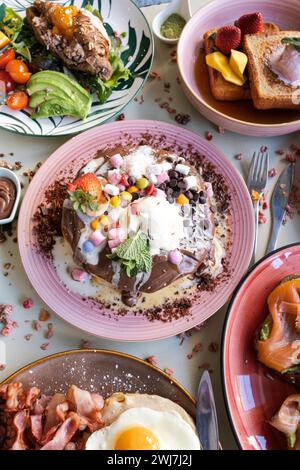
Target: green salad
[{"x": 51, "y": 87}]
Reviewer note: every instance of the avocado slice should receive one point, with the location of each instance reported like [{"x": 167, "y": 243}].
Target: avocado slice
[{"x": 55, "y": 94}]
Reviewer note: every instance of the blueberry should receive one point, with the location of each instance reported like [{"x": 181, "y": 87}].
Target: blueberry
[{"x": 88, "y": 246}]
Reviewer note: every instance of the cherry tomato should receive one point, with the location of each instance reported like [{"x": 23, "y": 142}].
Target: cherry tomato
[
  {"x": 16, "y": 66},
  {"x": 17, "y": 100},
  {"x": 20, "y": 77},
  {"x": 9, "y": 83},
  {"x": 6, "y": 57}
]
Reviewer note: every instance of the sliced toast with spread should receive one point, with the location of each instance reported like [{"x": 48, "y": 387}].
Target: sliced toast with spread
[{"x": 267, "y": 90}]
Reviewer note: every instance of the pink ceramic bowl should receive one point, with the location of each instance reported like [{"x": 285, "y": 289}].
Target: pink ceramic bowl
[
  {"x": 252, "y": 393},
  {"x": 240, "y": 116}
]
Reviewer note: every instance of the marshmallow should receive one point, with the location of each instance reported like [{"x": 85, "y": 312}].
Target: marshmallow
[
  {"x": 114, "y": 177},
  {"x": 79, "y": 275},
  {"x": 116, "y": 160},
  {"x": 111, "y": 189},
  {"x": 175, "y": 257},
  {"x": 159, "y": 193},
  {"x": 97, "y": 237},
  {"x": 152, "y": 178},
  {"x": 162, "y": 177},
  {"x": 183, "y": 169},
  {"x": 190, "y": 182},
  {"x": 208, "y": 189}
]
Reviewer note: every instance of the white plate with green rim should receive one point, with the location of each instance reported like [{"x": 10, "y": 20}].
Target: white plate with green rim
[{"x": 122, "y": 16}]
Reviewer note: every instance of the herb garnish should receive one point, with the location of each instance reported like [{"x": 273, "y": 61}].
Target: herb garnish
[
  {"x": 293, "y": 41},
  {"x": 134, "y": 255},
  {"x": 83, "y": 201}
]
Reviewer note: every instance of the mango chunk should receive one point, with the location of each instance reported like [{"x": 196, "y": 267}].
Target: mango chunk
[
  {"x": 221, "y": 63},
  {"x": 3, "y": 40},
  {"x": 238, "y": 62}
]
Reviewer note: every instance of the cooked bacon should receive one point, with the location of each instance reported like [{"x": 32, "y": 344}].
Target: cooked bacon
[
  {"x": 32, "y": 396},
  {"x": 282, "y": 349},
  {"x": 88, "y": 406},
  {"x": 20, "y": 423},
  {"x": 64, "y": 433},
  {"x": 36, "y": 425},
  {"x": 31, "y": 421}
]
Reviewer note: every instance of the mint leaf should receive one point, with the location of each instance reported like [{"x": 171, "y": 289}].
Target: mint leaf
[
  {"x": 2, "y": 12},
  {"x": 293, "y": 41},
  {"x": 134, "y": 255},
  {"x": 291, "y": 370},
  {"x": 212, "y": 37}
]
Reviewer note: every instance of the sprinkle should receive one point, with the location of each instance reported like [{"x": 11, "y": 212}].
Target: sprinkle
[
  {"x": 168, "y": 371},
  {"x": 261, "y": 218},
  {"x": 265, "y": 205},
  {"x": 28, "y": 303},
  {"x": 121, "y": 117},
  {"x": 36, "y": 325},
  {"x": 197, "y": 348},
  {"x": 152, "y": 360},
  {"x": 239, "y": 156},
  {"x": 272, "y": 172},
  {"x": 290, "y": 158},
  {"x": 49, "y": 332},
  {"x": 28, "y": 337},
  {"x": 221, "y": 130},
  {"x": 153, "y": 75},
  {"x": 182, "y": 118},
  {"x": 44, "y": 346},
  {"x": 280, "y": 152},
  {"x": 213, "y": 347},
  {"x": 263, "y": 148}
]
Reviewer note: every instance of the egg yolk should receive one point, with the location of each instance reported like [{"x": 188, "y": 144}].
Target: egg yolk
[
  {"x": 63, "y": 19},
  {"x": 137, "y": 438}
]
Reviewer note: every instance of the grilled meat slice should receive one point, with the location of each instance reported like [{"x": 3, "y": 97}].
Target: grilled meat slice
[{"x": 85, "y": 50}]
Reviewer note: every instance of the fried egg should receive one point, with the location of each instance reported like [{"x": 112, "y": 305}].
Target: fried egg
[{"x": 144, "y": 422}]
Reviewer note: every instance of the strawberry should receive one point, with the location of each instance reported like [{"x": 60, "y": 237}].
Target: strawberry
[
  {"x": 71, "y": 187},
  {"x": 227, "y": 38},
  {"x": 89, "y": 183},
  {"x": 251, "y": 23}
]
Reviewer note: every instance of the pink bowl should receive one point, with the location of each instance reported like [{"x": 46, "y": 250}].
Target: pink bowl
[
  {"x": 88, "y": 315},
  {"x": 239, "y": 117},
  {"x": 252, "y": 392}
]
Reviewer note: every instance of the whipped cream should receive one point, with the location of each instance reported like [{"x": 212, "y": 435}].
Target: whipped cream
[
  {"x": 138, "y": 162},
  {"x": 284, "y": 61}
]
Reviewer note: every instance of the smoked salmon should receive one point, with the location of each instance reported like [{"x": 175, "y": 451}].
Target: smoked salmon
[
  {"x": 278, "y": 342},
  {"x": 287, "y": 420}
]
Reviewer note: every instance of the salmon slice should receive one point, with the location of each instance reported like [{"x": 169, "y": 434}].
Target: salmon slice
[
  {"x": 281, "y": 350},
  {"x": 287, "y": 420}
]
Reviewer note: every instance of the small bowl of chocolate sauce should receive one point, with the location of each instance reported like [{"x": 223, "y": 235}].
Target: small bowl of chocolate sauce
[{"x": 10, "y": 192}]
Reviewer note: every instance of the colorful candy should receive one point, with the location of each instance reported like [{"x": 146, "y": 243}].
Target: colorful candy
[
  {"x": 175, "y": 257},
  {"x": 88, "y": 246},
  {"x": 114, "y": 201},
  {"x": 95, "y": 224},
  {"x": 182, "y": 200},
  {"x": 142, "y": 183},
  {"x": 132, "y": 189},
  {"x": 126, "y": 196},
  {"x": 104, "y": 220},
  {"x": 117, "y": 160},
  {"x": 190, "y": 182}
]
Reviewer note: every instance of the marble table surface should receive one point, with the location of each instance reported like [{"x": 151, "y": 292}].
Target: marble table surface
[{"x": 170, "y": 353}]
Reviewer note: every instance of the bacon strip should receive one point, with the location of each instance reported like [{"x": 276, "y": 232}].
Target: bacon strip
[
  {"x": 88, "y": 406},
  {"x": 20, "y": 423},
  {"x": 282, "y": 349},
  {"x": 64, "y": 434}
]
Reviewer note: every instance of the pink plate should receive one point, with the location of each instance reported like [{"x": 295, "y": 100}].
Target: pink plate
[
  {"x": 89, "y": 317},
  {"x": 239, "y": 116},
  {"x": 252, "y": 392}
]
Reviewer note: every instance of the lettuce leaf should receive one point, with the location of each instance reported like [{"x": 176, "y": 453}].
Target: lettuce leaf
[{"x": 10, "y": 22}]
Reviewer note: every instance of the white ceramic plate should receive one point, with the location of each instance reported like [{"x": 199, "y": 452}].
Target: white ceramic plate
[{"x": 121, "y": 16}]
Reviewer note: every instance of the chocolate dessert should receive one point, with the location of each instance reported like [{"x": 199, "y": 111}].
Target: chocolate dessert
[
  {"x": 7, "y": 197},
  {"x": 140, "y": 219}
]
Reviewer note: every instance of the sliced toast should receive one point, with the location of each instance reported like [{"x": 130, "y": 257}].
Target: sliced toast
[
  {"x": 220, "y": 88},
  {"x": 267, "y": 90}
]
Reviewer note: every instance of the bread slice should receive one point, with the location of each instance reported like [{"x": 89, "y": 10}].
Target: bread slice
[
  {"x": 267, "y": 90},
  {"x": 220, "y": 88}
]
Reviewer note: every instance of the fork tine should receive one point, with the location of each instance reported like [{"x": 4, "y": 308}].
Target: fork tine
[
  {"x": 252, "y": 166},
  {"x": 264, "y": 167}
]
